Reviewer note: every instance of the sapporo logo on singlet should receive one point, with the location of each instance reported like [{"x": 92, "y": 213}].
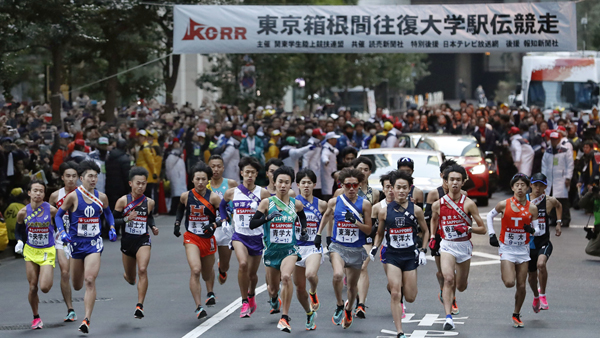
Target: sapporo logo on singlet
[{"x": 89, "y": 211}]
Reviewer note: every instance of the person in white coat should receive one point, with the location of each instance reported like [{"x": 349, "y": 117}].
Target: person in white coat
[
  {"x": 522, "y": 152},
  {"x": 291, "y": 156},
  {"x": 557, "y": 165},
  {"x": 329, "y": 164},
  {"x": 231, "y": 156},
  {"x": 175, "y": 171},
  {"x": 312, "y": 159}
]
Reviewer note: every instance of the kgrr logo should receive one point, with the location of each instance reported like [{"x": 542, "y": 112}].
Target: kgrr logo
[{"x": 204, "y": 32}]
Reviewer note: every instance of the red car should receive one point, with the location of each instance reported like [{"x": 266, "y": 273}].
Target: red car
[{"x": 465, "y": 151}]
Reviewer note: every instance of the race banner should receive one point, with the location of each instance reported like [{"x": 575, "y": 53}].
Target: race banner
[{"x": 477, "y": 28}]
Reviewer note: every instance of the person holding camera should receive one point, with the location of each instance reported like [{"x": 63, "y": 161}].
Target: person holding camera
[{"x": 591, "y": 201}]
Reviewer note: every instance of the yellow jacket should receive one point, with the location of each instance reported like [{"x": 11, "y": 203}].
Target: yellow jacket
[
  {"x": 157, "y": 158},
  {"x": 273, "y": 150},
  {"x": 145, "y": 158}
]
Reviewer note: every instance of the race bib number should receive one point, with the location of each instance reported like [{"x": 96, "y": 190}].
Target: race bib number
[
  {"x": 242, "y": 217},
  {"x": 514, "y": 237},
  {"x": 136, "y": 226},
  {"x": 281, "y": 233},
  {"x": 311, "y": 231},
  {"x": 197, "y": 224},
  {"x": 401, "y": 238},
  {"x": 346, "y": 232},
  {"x": 448, "y": 223},
  {"x": 38, "y": 236},
  {"x": 88, "y": 227}
]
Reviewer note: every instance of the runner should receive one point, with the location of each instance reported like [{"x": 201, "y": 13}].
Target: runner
[
  {"x": 540, "y": 248},
  {"x": 415, "y": 195},
  {"x": 85, "y": 207},
  {"x": 519, "y": 222},
  {"x": 454, "y": 213},
  {"x": 38, "y": 249},
  {"x": 351, "y": 225},
  {"x": 310, "y": 250},
  {"x": 280, "y": 213},
  {"x": 272, "y": 165},
  {"x": 68, "y": 174},
  {"x": 246, "y": 242},
  {"x": 219, "y": 185},
  {"x": 133, "y": 214},
  {"x": 399, "y": 221},
  {"x": 432, "y": 197},
  {"x": 372, "y": 196},
  {"x": 200, "y": 205}
]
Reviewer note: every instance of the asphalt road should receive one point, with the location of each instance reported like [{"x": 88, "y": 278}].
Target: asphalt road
[{"x": 485, "y": 307}]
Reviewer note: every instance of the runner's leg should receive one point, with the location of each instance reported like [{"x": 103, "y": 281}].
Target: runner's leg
[
  {"x": 521, "y": 270},
  {"x": 533, "y": 283},
  {"x": 409, "y": 287},
  {"x": 287, "y": 288},
  {"x": 33, "y": 271},
  {"x": 241, "y": 252},
  {"x": 543, "y": 273},
  {"x": 272, "y": 276},
  {"x": 313, "y": 263},
  {"x": 77, "y": 268},
  {"x": 92, "y": 266},
  {"x": 462, "y": 275},
  {"x": 352, "y": 276},
  {"x": 143, "y": 258},
  {"x": 394, "y": 279},
  {"x": 129, "y": 264},
  {"x": 193, "y": 257},
  {"x": 509, "y": 274},
  {"x": 363, "y": 280},
  {"x": 448, "y": 265},
  {"x": 45, "y": 279},
  {"x": 338, "y": 275},
  {"x": 300, "y": 282},
  {"x": 439, "y": 275},
  {"x": 65, "y": 283},
  {"x": 208, "y": 271},
  {"x": 224, "y": 257},
  {"x": 253, "y": 265}
]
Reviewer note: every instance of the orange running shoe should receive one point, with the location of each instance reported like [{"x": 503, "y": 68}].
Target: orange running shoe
[
  {"x": 517, "y": 322},
  {"x": 284, "y": 326},
  {"x": 455, "y": 310},
  {"x": 314, "y": 301}
]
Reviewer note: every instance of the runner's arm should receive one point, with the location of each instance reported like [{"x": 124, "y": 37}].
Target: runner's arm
[
  {"x": 421, "y": 220},
  {"x": 118, "y": 214},
  {"x": 259, "y": 216},
  {"x": 326, "y": 216},
  {"x": 20, "y": 225},
  {"x": 301, "y": 216},
  {"x": 106, "y": 210},
  {"x": 419, "y": 197},
  {"x": 558, "y": 206},
  {"x": 366, "y": 227},
  {"x": 493, "y": 213},
  {"x": 474, "y": 212},
  {"x": 435, "y": 215},
  {"x": 381, "y": 214}
]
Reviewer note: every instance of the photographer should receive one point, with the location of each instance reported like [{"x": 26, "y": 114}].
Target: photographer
[{"x": 591, "y": 202}]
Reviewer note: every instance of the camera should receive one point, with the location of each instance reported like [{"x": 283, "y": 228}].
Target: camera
[{"x": 596, "y": 184}]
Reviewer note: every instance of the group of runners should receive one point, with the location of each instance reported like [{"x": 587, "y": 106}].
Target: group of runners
[{"x": 284, "y": 231}]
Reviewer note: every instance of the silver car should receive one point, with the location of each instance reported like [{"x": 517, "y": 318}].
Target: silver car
[{"x": 427, "y": 165}]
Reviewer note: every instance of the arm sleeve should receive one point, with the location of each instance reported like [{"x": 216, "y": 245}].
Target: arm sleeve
[
  {"x": 19, "y": 227},
  {"x": 490, "y": 221},
  {"x": 427, "y": 212},
  {"x": 150, "y": 222},
  {"x": 302, "y": 218},
  {"x": 180, "y": 212},
  {"x": 58, "y": 219},
  {"x": 257, "y": 220},
  {"x": 119, "y": 219},
  {"x": 222, "y": 209},
  {"x": 109, "y": 217}
]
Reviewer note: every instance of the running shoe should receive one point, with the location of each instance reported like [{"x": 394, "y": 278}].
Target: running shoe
[
  {"x": 211, "y": 300},
  {"x": 337, "y": 315},
  {"x": 517, "y": 322},
  {"x": 401, "y": 335},
  {"x": 200, "y": 312},
  {"x": 245, "y": 312},
  {"x": 310, "y": 321},
  {"x": 455, "y": 310},
  {"x": 222, "y": 275},
  {"x": 441, "y": 297},
  {"x": 71, "y": 317},
  {"x": 37, "y": 324},
  {"x": 543, "y": 302},
  {"x": 252, "y": 304},
  {"x": 403, "y": 311},
  {"x": 85, "y": 326},
  {"x": 536, "y": 304},
  {"x": 139, "y": 312},
  {"x": 449, "y": 324},
  {"x": 347, "y": 319},
  {"x": 284, "y": 326},
  {"x": 275, "y": 306},
  {"x": 361, "y": 311},
  {"x": 314, "y": 301}
]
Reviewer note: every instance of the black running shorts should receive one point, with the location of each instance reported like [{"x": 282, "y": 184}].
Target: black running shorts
[
  {"x": 535, "y": 253},
  {"x": 130, "y": 244}
]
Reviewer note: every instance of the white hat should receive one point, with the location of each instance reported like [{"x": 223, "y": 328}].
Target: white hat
[
  {"x": 103, "y": 140},
  {"x": 201, "y": 134},
  {"x": 331, "y": 135}
]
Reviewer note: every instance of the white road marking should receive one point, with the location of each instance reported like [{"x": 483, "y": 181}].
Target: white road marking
[
  {"x": 216, "y": 319},
  {"x": 485, "y": 255}
]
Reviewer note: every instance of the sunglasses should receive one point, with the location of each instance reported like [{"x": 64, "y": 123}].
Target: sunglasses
[{"x": 351, "y": 185}]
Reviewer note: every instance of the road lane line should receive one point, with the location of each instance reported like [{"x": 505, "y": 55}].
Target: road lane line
[
  {"x": 216, "y": 319},
  {"x": 485, "y": 255}
]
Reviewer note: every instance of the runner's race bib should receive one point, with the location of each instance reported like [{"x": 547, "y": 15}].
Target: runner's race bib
[
  {"x": 197, "y": 224},
  {"x": 311, "y": 231},
  {"x": 38, "y": 236},
  {"x": 448, "y": 223},
  {"x": 243, "y": 217},
  {"x": 136, "y": 226},
  {"x": 515, "y": 237},
  {"x": 401, "y": 238},
  {"x": 281, "y": 233},
  {"x": 346, "y": 232},
  {"x": 88, "y": 227}
]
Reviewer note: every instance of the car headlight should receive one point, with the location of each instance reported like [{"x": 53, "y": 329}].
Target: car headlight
[{"x": 478, "y": 169}]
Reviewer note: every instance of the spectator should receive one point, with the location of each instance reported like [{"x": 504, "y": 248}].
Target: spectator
[
  {"x": 589, "y": 166},
  {"x": 329, "y": 164},
  {"x": 59, "y": 149},
  {"x": 175, "y": 172},
  {"x": 522, "y": 152},
  {"x": 252, "y": 145},
  {"x": 99, "y": 156},
  {"x": 359, "y": 135},
  {"x": 272, "y": 150},
  {"x": 486, "y": 138},
  {"x": 411, "y": 126},
  {"x": 231, "y": 156},
  {"x": 118, "y": 164},
  {"x": 312, "y": 159},
  {"x": 464, "y": 127},
  {"x": 291, "y": 155},
  {"x": 145, "y": 159},
  {"x": 557, "y": 165}
]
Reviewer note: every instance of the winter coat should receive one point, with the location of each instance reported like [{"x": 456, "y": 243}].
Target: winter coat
[
  {"x": 231, "y": 158},
  {"x": 329, "y": 166},
  {"x": 312, "y": 159},
  {"x": 258, "y": 152},
  {"x": 557, "y": 165},
  {"x": 293, "y": 159},
  {"x": 175, "y": 171},
  {"x": 522, "y": 154}
]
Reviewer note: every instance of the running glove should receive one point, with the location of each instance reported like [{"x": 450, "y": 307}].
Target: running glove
[
  {"x": 461, "y": 229},
  {"x": 19, "y": 247},
  {"x": 494, "y": 241},
  {"x": 317, "y": 241},
  {"x": 65, "y": 237},
  {"x": 350, "y": 218},
  {"x": 422, "y": 258},
  {"x": 112, "y": 234},
  {"x": 328, "y": 239},
  {"x": 528, "y": 228},
  {"x": 176, "y": 230},
  {"x": 432, "y": 243},
  {"x": 373, "y": 253},
  {"x": 270, "y": 217}
]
